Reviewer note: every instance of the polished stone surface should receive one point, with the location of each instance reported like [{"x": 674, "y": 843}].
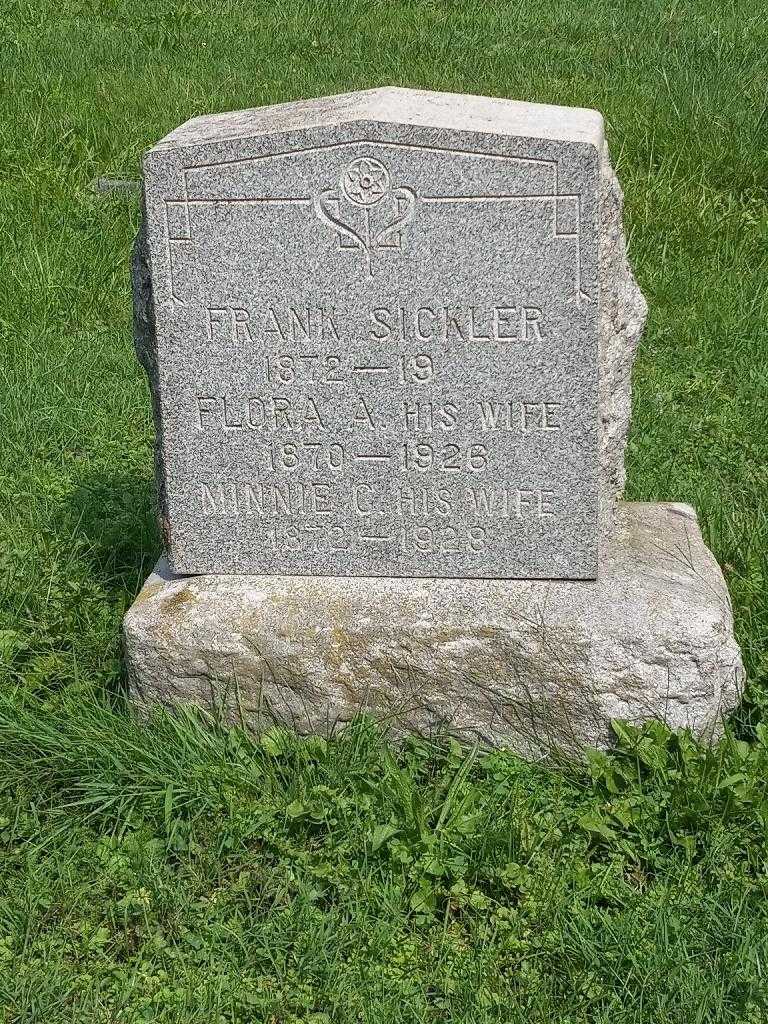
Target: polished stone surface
[{"x": 388, "y": 333}]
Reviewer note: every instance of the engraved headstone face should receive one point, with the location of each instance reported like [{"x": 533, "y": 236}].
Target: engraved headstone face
[{"x": 375, "y": 339}]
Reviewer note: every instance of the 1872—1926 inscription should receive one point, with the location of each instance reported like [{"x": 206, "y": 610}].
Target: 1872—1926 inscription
[{"x": 375, "y": 338}]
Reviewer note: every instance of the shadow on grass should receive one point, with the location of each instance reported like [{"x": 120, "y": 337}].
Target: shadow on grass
[{"x": 112, "y": 518}]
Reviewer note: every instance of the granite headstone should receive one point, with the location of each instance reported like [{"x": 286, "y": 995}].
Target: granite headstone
[{"x": 375, "y": 338}]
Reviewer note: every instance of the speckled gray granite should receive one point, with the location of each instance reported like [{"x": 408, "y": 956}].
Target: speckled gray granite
[
  {"x": 387, "y": 333},
  {"x": 527, "y": 664}
]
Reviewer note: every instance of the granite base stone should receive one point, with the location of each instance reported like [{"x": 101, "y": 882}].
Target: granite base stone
[{"x": 531, "y": 665}]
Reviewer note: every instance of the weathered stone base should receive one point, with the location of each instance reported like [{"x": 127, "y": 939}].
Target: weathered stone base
[{"x": 525, "y": 664}]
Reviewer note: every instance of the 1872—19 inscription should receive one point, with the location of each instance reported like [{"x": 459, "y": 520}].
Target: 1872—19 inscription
[{"x": 375, "y": 338}]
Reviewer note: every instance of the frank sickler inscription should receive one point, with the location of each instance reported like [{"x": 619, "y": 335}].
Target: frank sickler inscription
[{"x": 375, "y": 339}]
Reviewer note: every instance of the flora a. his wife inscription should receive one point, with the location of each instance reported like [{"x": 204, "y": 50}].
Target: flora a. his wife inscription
[{"x": 375, "y": 341}]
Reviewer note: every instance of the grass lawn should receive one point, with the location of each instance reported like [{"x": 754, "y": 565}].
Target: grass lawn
[{"x": 182, "y": 873}]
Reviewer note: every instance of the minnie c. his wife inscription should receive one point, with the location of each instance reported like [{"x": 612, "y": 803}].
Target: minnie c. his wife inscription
[{"x": 372, "y": 326}]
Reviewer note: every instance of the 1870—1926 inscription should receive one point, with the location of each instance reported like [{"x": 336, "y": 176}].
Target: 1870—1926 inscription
[{"x": 375, "y": 338}]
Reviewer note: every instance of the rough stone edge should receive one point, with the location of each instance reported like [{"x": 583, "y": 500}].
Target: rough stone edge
[
  {"x": 623, "y": 312},
  {"x": 145, "y": 344}
]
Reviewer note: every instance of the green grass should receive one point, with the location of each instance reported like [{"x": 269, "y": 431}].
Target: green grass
[{"x": 180, "y": 873}]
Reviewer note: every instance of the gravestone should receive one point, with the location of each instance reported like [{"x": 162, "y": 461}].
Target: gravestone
[
  {"x": 390, "y": 334},
  {"x": 376, "y": 338}
]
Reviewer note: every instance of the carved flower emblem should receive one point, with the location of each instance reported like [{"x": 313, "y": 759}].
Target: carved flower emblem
[{"x": 365, "y": 181}]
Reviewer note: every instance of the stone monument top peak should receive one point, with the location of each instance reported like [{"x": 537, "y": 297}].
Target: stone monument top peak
[{"x": 416, "y": 107}]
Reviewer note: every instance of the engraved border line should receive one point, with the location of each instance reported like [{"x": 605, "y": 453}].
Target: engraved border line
[
  {"x": 373, "y": 142},
  {"x": 186, "y": 202},
  {"x": 261, "y": 201}
]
